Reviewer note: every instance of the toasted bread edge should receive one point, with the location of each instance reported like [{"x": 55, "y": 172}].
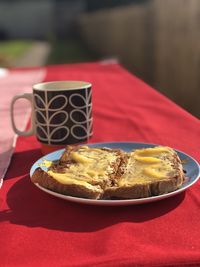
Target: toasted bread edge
[{"x": 45, "y": 180}]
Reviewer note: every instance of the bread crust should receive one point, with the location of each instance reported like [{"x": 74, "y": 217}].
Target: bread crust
[
  {"x": 47, "y": 181},
  {"x": 143, "y": 190}
]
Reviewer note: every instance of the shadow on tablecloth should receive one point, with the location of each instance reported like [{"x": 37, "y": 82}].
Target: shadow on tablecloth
[
  {"x": 29, "y": 206},
  {"x": 22, "y": 162}
]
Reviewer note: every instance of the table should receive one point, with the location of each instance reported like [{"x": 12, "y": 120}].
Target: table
[{"x": 37, "y": 229}]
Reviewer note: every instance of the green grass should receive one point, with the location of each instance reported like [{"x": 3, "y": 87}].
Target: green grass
[
  {"x": 14, "y": 48},
  {"x": 69, "y": 51},
  {"x": 11, "y": 50},
  {"x": 62, "y": 51}
]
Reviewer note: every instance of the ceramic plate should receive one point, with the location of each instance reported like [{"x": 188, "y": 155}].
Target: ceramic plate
[{"x": 190, "y": 165}]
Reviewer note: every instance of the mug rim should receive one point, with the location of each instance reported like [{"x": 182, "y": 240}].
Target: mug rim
[{"x": 64, "y": 85}]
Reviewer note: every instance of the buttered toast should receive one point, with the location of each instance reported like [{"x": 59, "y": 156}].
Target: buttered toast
[
  {"x": 103, "y": 173},
  {"x": 81, "y": 171},
  {"x": 149, "y": 172}
]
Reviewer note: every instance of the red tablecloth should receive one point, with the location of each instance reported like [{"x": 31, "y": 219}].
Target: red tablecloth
[{"x": 37, "y": 229}]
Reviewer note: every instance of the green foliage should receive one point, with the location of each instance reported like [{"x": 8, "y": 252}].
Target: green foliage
[{"x": 69, "y": 51}]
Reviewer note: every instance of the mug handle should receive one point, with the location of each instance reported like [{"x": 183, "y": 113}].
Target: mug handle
[{"x": 30, "y": 131}]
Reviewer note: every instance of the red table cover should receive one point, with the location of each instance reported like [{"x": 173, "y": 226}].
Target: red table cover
[{"x": 37, "y": 229}]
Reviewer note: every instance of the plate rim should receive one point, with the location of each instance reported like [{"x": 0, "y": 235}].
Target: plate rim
[{"x": 110, "y": 202}]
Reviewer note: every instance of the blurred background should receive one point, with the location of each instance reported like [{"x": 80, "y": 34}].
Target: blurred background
[{"x": 157, "y": 40}]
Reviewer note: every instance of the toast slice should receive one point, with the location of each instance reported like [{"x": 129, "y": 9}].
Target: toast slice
[
  {"x": 103, "y": 173},
  {"x": 81, "y": 171},
  {"x": 149, "y": 172}
]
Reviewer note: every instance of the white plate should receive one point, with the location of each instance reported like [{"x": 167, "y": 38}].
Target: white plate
[{"x": 191, "y": 167}]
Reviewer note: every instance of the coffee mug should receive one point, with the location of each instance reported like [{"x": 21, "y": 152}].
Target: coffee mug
[{"x": 61, "y": 112}]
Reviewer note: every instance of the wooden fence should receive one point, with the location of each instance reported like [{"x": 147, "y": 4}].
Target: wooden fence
[{"x": 158, "y": 40}]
